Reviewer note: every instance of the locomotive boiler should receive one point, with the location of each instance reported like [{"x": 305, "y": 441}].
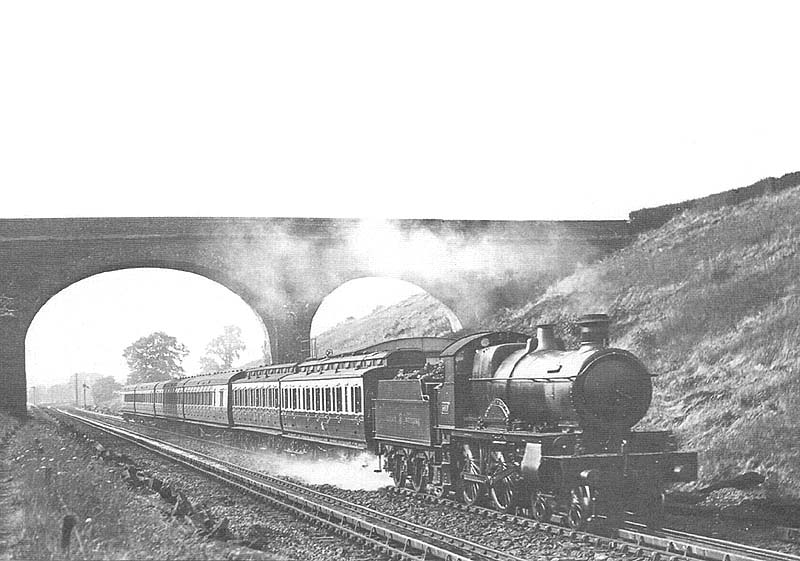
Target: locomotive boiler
[{"x": 539, "y": 385}]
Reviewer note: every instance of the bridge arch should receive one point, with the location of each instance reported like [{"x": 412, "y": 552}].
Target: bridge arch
[
  {"x": 86, "y": 326},
  {"x": 366, "y": 296},
  {"x": 248, "y": 296}
]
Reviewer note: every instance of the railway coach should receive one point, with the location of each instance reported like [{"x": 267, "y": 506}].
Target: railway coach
[{"x": 330, "y": 400}]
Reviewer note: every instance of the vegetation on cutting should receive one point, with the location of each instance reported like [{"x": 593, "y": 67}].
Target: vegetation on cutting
[{"x": 710, "y": 302}]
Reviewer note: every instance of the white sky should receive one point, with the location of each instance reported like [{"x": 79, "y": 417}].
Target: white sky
[
  {"x": 519, "y": 109},
  {"x": 450, "y": 109}
]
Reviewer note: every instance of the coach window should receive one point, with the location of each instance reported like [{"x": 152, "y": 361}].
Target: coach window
[
  {"x": 358, "y": 400},
  {"x": 339, "y": 406}
]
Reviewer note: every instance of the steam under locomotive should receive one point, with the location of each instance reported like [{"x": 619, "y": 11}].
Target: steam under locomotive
[{"x": 515, "y": 420}]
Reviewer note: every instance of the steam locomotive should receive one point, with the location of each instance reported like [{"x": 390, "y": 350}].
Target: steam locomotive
[{"x": 502, "y": 417}]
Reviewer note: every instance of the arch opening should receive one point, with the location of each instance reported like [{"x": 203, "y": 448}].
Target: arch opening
[
  {"x": 369, "y": 310},
  {"x": 78, "y": 335}
]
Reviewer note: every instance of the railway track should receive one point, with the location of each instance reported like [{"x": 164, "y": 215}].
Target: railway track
[
  {"x": 667, "y": 543},
  {"x": 632, "y": 540},
  {"x": 394, "y": 536}
]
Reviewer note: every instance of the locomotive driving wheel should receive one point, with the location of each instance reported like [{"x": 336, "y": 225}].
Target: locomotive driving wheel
[
  {"x": 503, "y": 491},
  {"x": 471, "y": 492},
  {"x": 399, "y": 470}
]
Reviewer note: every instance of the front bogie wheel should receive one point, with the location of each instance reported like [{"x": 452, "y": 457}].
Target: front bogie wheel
[
  {"x": 541, "y": 507},
  {"x": 576, "y": 519}
]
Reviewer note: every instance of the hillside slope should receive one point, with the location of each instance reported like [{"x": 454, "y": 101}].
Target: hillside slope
[
  {"x": 420, "y": 315},
  {"x": 710, "y": 301}
]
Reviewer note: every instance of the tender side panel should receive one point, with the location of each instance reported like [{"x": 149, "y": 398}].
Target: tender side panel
[{"x": 403, "y": 413}]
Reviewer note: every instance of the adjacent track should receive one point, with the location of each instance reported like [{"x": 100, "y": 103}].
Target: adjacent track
[
  {"x": 703, "y": 547},
  {"x": 395, "y": 536}
]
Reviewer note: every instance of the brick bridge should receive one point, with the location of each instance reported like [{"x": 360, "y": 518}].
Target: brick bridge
[{"x": 282, "y": 268}]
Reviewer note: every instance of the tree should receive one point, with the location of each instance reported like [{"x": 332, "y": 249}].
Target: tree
[
  {"x": 155, "y": 357},
  {"x": 103, "y": 389},
  {"x": 223, "y": 350}
]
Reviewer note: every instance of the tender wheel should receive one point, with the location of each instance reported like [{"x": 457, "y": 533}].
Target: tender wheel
[
  {"x": 471, "y": 492},
  {"x": 419, "y": 474},
  {"x": 541, "y": 508},
  {"x": 399, "y": 470}
]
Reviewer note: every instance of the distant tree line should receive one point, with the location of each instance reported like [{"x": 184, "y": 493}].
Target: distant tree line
[{"x": 159, "y": 356}]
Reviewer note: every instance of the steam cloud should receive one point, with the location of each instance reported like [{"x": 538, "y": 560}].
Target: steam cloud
[
  {"x": 469, "y": 266},
  {"x": 355, "y": 473}
]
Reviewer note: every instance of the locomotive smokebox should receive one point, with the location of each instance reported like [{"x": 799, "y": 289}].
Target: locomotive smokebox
[{"x": 594, "y": 329}]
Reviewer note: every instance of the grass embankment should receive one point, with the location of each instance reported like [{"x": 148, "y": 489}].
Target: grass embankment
[
  {"x": 55, "y": 475},
  {"x": 710, "y": 302},
  {"x": 420, "y": 315}
]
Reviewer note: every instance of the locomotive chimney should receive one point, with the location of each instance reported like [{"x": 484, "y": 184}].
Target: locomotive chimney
[
  {"x": 594, "y": 329},
  {"x": 546, "y": 336}
]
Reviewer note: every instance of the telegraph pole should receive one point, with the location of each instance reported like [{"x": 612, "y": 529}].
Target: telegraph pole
[{"x": 77, "y": 404}]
